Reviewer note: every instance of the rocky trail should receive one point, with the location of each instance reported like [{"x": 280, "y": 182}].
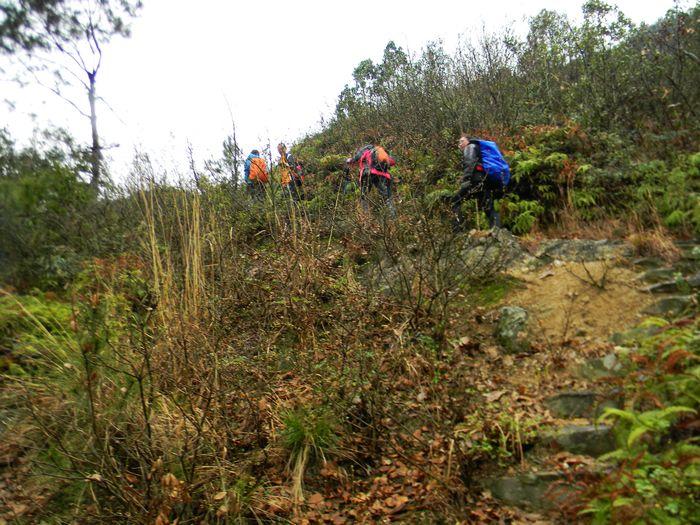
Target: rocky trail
[{"x": 578, "y": 298}]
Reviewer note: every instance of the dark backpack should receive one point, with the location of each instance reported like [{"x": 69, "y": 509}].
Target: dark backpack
[{"x": 492, "y": 162}]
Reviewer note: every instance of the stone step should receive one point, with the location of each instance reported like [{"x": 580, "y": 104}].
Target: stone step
[
  {"x": 683, "y": 285},
  {"x": 690, "y": 250},
  {"x": 671, "y": 306},
  {"x": 583, "y": 250},
  {"x": 600, "y": 367},
  {"x": 588, "y": 440},
  {"x": 657, "y": 275},
  {"x": 686, "y": 266},
  {"x": 687, "y": 244},
  {"x": 532, "y": 490},
  {"x": 581, "y": 404},
  {"x": 648, "y": 262}
]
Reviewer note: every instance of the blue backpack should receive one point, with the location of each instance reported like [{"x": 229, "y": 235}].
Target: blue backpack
[{"x": 494, "y": 165}]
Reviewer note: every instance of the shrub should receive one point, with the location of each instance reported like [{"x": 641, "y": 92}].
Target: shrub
[{"x": 655, "y": 470}]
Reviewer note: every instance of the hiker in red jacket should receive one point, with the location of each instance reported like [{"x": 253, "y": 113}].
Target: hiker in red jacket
[{"x": 374, "y": 164}]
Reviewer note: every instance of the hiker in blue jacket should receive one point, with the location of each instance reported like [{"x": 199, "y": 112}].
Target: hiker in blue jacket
[
  {"x": 255, "y": 174},
  {"x": 474, "y": 184}
]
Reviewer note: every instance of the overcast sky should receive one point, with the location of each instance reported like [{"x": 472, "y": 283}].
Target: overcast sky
[{"x": 280, "y": 66}]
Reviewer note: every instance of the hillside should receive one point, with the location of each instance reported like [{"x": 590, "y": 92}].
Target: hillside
[{"x": 222, "y": 350}]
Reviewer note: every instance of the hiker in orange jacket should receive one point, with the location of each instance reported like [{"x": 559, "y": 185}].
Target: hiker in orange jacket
[
  {"x": 374, "y": 164},
  {"x": 290, "y": 177}
]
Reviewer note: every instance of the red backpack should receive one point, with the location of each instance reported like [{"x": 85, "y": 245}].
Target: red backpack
[{"x": 377, "y": 160}]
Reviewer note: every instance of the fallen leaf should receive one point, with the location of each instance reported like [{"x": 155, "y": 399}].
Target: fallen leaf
[
  {"x": 492, "y": 352},
  {"x": 315, "y": 499},
  {"x": 337, "y": 519},
  {"x": 220, "y": 495},
  {"x": 17, "y": 509},
  {"x": 495, "y": 396},
  {"x": 131, "y": 478}
]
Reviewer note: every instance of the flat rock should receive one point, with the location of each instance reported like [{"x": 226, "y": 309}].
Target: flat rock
[
  {"x": 535, "y": 490},
  {"x": 585, "y": 404},
  {"x": 590, "y": 440},
  {"x": 498, "y": 250},
  {"x": 686, "y": 284},
  {"x": 670, "y": 306},
  {"x": 633, "y": 334},
  {"x": 657, "y": 275},
  {"x": 690, "y": 250},
  {"x": 601, "y": 367},
  {"x": 583, "y": 250},
  {"x": 648, "y": 262},
  {"x": 693, "y": 281},
  {"x": 687, "y": 244},
  {"x": 664, "y": 287}
]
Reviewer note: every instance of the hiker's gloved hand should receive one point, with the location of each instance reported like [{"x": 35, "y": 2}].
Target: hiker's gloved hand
[{"x": 465, "y": 187}]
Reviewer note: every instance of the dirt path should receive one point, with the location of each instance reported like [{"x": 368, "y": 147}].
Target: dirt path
[{"x": 581, "y": 300}]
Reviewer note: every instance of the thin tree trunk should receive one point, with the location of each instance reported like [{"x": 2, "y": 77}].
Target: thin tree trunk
[
  {"x": 235, "y": 159},
  {"x": 95, "y": 151}
]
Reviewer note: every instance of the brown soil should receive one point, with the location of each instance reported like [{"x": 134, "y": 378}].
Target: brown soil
[{"x": 583, "y": 300}]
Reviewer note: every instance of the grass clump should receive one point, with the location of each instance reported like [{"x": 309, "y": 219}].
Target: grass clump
[{"x": 309, "y": 436}]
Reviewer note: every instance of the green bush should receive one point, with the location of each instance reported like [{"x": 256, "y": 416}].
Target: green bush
[
  {"x": 654, "y": 472},
  {"x": 670, "y": 191},
  {"x": 520, "y": 215},
  {"x": 27, "y": 325}
]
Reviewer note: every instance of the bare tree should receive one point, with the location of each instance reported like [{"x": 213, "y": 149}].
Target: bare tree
[{"x": 60, "y": 44}]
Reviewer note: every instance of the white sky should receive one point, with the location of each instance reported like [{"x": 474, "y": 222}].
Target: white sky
[{"x": 280, "y": 65}]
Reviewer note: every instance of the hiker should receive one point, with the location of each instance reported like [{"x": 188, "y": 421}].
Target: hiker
[
  {"x": 486, "y": 174},
  {"x": 255, "y": 174},
  {"x": 374, "y": 163},
  {"x": 291, "y": 174}
]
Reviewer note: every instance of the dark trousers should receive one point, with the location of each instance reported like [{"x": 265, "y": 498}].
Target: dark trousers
[
  {"x": 346, "y": 185},
  {"x": 482, "y": 189},
  {"x": 295, "y": 189},
  {"x": 257, "y": 190},
  {"x": 383, "y": 185}
]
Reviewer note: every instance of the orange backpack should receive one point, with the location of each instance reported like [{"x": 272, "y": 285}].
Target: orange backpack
[
  {"x": 258, "y": 170},
  {"x": 380, "y": 155}
]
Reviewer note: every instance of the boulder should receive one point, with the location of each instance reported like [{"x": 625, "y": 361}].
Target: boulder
[
  {"x": 512, "y": 329},
  {"x": 496, "y": 251}
]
